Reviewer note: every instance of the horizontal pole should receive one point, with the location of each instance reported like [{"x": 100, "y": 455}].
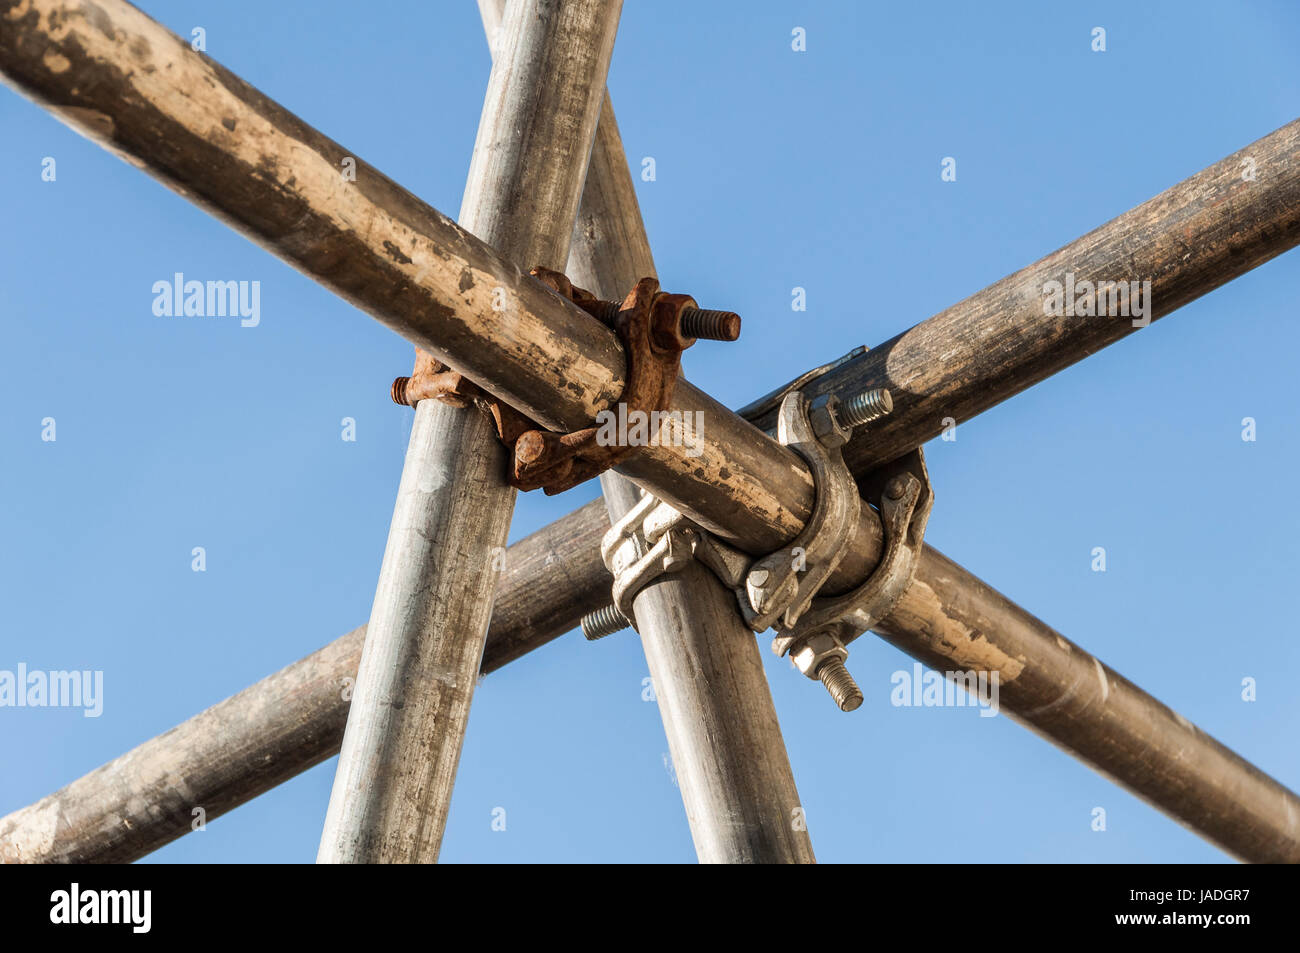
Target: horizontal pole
[
  {"x": 1074, "y": 700},
  {"x": 293, "y": 720},
  {"x": 416, "y": 272},
  {"x": 289, "y": 721},
  {"x": 1188, "y": 240},
  {"x": 142, "y": 92}
]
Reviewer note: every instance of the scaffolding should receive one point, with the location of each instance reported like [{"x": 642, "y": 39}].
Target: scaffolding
[{"x": 750, "y": 487}]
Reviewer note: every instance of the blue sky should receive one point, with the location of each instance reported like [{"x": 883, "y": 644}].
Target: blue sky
[{"x": 774, "y": 169}]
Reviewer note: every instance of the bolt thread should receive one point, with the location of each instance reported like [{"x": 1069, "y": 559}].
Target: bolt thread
[
  {"x": 398, "y": 391},
  {"x": 607, "y": 312},
  {"x": 709, "y": 325},
  {"x": 867, "y": 406},
  {"x": 602, "y": 622},
  {"x": 840, "y": 684},
  {"x": 701, "y": 323}
]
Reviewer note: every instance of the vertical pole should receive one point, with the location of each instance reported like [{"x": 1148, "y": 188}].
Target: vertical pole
[
  {"x": 713, "y": 696},
  {"x": 723, "y": 734},
  {"x": 431, "y": 611}
]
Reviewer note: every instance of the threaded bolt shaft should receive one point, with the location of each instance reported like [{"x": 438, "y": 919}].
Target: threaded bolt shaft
[
  {"x": 702, "y": 323},
  {"x": 840, "y": 684},
  {"x": 865, "y": 407},
  {"x": 399, "y": 390},
  {"x": 709, "y": 325},
  {"x": 602, "y": 622},
  {"x": 607, "y": 312}
]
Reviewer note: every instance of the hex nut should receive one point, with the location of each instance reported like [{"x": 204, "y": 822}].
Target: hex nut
[
  {"x": 816, "y": 649},
  {"x": 824, "y": 418}
]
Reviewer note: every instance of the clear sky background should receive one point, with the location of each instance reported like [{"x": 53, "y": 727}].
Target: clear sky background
[{"x": 775, "y": 169}]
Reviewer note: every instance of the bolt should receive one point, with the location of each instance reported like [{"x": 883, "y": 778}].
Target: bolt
[
  {"x": 702, "y": 323},
  {"x": 824, "y": 417},
  {"x": 680, "y": 554},
  {"x": 840, "y": 684},
  {"x": 866, "y": 406},
  {"x": 895, "y": 488},
  {"x": 398, "y": 391},
  {"x": 602, "y": 622},
  {"x": 710, "y": 325},
  {"x": 607, "y": 312}
]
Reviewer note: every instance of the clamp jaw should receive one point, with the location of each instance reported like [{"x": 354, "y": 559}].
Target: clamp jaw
[
  {"x": 783, "y": 590},
  {"x": 654, "y": 328},
  {"x": 638, "y": 549}
]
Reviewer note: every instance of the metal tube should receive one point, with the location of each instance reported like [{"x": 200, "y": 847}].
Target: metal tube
[
  {"x": 393, "y": 786},
  {"x": 723, "y": 734},
  {"x": 766, "y": 494},
  {"x": 289, "y": 721}
]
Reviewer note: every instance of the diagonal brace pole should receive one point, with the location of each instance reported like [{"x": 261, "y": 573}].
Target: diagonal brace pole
[
  {"x": 1192, "y": 238},
  {"x": 424, "y": 644}
]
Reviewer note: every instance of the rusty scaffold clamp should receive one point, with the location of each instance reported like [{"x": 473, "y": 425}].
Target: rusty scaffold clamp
[
  {"x": 783, "y": 590},
  {"x": 654, "y": 328}
]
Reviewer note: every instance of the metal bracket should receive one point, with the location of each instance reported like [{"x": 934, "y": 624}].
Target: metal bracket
[
  {"x": 637, "y": 551},
  {"x": 649, "y": 325},
  {"x": 654, "y": 328},
  {"x": 782, "y": 590},
  {"x": 901, "y": 491},
  {"x": 780, "y": 586}
]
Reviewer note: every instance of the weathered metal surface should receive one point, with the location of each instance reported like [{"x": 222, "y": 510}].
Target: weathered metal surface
[
  {"x": 602, "y": 622},
  {"x": 289, "y": 721},
  {"x": 692, "y": 323},
  {"x": 781, "y": 585},
  {"x": 723, "y": 734},
  {"x": 649, "y": 325},
  {"x": 433, "y": 380},
  {"x": 948, "y": 619},
  {"x": 277, "y": 180},
  {"x": 636, "y": 558},
  {"x": 654, "y": 328},
  {"x": 1192, "y": 238},
  {"x": 900, "y": 491},
  {"x": 952, "y": 621},
  {"x": 397, "y": 766}
]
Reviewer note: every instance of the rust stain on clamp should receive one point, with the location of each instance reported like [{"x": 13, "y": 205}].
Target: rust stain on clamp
[{"x": 650, "y": 326}]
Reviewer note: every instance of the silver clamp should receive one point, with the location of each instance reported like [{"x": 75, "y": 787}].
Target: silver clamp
[
  {"x": 637, "y": 550},
  {"x": 782, "y": 590},
  {"x": 901, "y": 492},
  {"x": 780, "y": 586}
]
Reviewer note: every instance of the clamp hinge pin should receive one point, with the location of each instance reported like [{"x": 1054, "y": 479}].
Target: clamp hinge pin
[
  {"x": 865, "y": 407},
  {"x": 602, "y": 622},
  {"x": 840, "y": 684}
]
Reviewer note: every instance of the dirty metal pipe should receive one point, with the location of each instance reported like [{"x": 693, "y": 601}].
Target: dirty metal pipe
[
  {"x": 765, "y": 493},
  {"x": 427, "y": 630},
  {"x": 289, "y": 721},
  {"x": 723, "y": 735}
]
